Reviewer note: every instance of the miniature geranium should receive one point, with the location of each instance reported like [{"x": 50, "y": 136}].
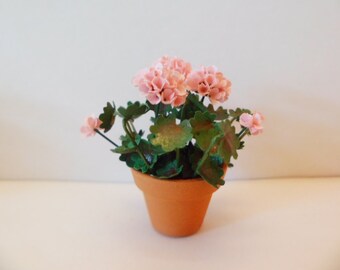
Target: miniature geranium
[
  {"x": 164, "y": 81},
  {"x": 187, "y": 138},
  {"x": 253, "y": 122},
  {"x": 91, "y": 124},
  {"x": 209, "y": 82}
]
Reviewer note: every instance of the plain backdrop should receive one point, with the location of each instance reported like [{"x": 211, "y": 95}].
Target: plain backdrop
[{"x": 63, "y": 60}]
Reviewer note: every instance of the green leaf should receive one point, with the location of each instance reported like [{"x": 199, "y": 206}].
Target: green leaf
[
  {"x": 162, "y": 161},
  {"x": 127, "y": 142},
  {"x": 169, "y": 135},
  {"x": 237, "y": 113},
  {"x": 123, "y": 150},
  {"x": 150, "y": 151},
  {"x": 204, "y": 129},
  {"x": 133, "y": 160},
  {"x": 195, "y": 155},
  {"x": 211, "y": 171},
  {"x": 241, "y": 146},
  {"x": 191, "y": 106},
  {"x": 108, "y": 116},
  {"x": 220, "y": 113},
  {"x": 132, "y": 111},
  {"x": 227, "y": 146},
  {"x": 170, "y": 170},
  {"x": 160, "y": 108}
]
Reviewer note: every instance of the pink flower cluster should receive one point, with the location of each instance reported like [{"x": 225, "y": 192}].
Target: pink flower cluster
[
  {"x": 252, "y": 122},
  {"x": 169, "y": 79},
  {"x": 164, "y": 81},
  {"x": 91, "y": 123},
  {"x": 211, "y": 83}
]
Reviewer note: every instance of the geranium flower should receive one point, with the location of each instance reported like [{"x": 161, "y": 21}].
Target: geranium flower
[
  {"x": 176, "y": 64},
  {"x": 165, "y": 81},
  {"x": 211, "y": 83},
  {"x": 252, "y": 122},
  {"x": 91, "y": 123}
]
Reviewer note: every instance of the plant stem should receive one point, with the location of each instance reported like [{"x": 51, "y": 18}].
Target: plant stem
[
  {"x": 242, "y": 133},
  {"x": 157, "y": 110},
  {"x": 177, "y": 155},
  {"x": 207, "y": 152},
  {"x": 106, "y": 138},
  {"x": 126, "y": 129},
  {"x": 132, "y": 126},
  {"x": 129, "y": 129}
]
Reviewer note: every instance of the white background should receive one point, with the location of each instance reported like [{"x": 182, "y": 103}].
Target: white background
[{"x": 62, "y": 60}]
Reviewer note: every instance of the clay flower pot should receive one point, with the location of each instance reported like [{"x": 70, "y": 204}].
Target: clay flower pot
[{"x": 176, "y": 207}]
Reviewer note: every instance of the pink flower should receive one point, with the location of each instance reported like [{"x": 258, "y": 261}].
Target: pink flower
[
  {"x": 176, "y": 64},
  {"x": 211, "y": 83},
  {"x": 153, "y": 98},
  {"x": 252, "y": 122},
  {"x": 165, "y": 81},
  {"x": 90, "y": 124}
]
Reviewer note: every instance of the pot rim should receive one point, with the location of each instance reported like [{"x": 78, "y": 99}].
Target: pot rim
[
  {"x": 198, "y": 179},
  {"x": 180, "y": 189}
]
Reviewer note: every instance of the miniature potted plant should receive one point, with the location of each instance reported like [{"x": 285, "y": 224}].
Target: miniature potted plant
[{"x": 184, "y": 157}]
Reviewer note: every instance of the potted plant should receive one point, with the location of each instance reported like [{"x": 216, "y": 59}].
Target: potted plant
[{"x": 184, "y": 156}]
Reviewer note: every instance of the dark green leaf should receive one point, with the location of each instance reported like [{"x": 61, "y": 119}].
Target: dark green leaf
[
  {"x": 133, "y": 160},
  {"x": 133, "y": 110},
  {"x": 159, "y": 109},
  {"x": 204, "y": 129},
  {"x": 132, "y": 157},
  {"x": 191, "y": 106},
  {"x": 237, "y": 113},
  {"x": 170, "y": 170},
  {"x": 220, "y": 113},
  {"x": 108, "y": 116},
  {"x": 123, "y": 150},
  {"x": 162, "y": 161},
  {"x": 150, "y": 151},
  {"x": 227, "y": 146},
  {"x": 195, "y": 155},
  {"x": 127, "y": 142},
  {"x": 211, "y": 171}
]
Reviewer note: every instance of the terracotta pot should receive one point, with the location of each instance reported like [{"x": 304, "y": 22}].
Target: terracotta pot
[{"x": 176, "y": 207}]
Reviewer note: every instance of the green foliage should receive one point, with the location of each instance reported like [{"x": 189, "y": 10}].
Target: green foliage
[
  {"x": 190, "y": 107},
  {"x": 170, "y": 170},
  {"x": 194, "y": 155},
  {"x": 186, "y": 142},
  {"x": 159, "y": 109},
  {"x": 132, "y": 111},
  {"x": 108, "y": 116},
  {"x": 204, "y": 128},
  {"x": 169, "y": 135},
  {"x": 211, "y": 171},
  {"x": 133, "y": 159},
  {"x": 237, "y": 113},
  {"x": 227, "y": 146},
  {"x": 220, "y": 113},
  {"x": 127, "y": 144}
]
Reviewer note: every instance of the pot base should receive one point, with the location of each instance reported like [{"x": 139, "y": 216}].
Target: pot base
[
  {"x": 176, "y": 207},
  {"x": 177, "y": 218}
]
